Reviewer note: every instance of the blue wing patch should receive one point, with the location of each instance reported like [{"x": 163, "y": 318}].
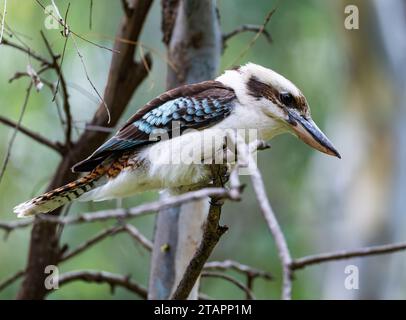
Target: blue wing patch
[{"x": 194, "y": 106}]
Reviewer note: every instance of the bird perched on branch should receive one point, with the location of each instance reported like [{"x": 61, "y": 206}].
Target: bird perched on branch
[{"x": 171, "y": 141}]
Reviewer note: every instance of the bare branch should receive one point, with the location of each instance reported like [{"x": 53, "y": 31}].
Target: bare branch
[
  {"x": 17, "y": 224},
  {"x": 33, "y": 135},
  {"x": 3, "y": 19},
  {"x": 61, "y": 22},
  {"x": 239, "y": 267},
  {"x": 234, "y": 281},
  {"x": 112, "y": 279},
  {"x": 90, "y": 14},
  {"x": 61, "y": 79},
  {"x": 92, "y": 241},
  {"x": 139, "y": 210},
  {"x": 254, "y": 39},
  {"x": 137, "y": 235},
  {"x": 346, "y": 254},
  {"x": 28, "y": 51},
  {"x": 247, "y": 28},
  {"x": 10, "y": 280},
  {"x": 18, "y": 124},
  {"x": 212, "y": 233},
  {"x": 91, "y": 83},
  {"x": 269, "y": 215}
]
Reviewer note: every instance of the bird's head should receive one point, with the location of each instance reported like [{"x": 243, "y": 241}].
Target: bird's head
[{"x": 279, "y": 99}]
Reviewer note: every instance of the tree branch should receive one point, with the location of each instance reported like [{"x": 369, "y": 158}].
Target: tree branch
[
  {"x": 14, "y": 135},
  {"x": 346, "y": 254},
  {"x": 273, "y": 225},
  {"x": 247, "y": 28},
  {"x": 103, "y": 277},
  {"x": 137, "y": 235},
  {"x": 28, "y": 51},
  {"x": 33, "y": 135},
  {"x": 17, "y": 224},
  {"x": 142, "y": 209},
  {"x": 124, "y": 77},
  {"x": 61, "y": 80},
  {"x": 234, "y": 281},
  {"x": 6, "y": 282},
  {"x": 92, "y": 241},
  {"x": 212, "y": 232},
  {"x": 239, "y": 267}
]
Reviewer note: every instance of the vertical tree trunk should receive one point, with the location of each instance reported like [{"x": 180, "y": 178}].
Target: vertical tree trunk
[{"x": 192, "y": 33}]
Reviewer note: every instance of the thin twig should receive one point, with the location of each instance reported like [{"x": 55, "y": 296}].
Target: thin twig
[
  {"x": 346, "y": 254},
  {"x": 60, "y": 66},
  {"x": 16, "y": 224},
  {"x": 273, "y": 225},
  {"x": 74, "y": 33},
  {"x": 33, "y": 135},
  {"x": 142, "y": 209},
  {"x": 103, "y": 277},
  {"x": 212, "y": 232},
  {"x": 90, "y": 14},
  {"x": 91, "y": 83},
  {"x": 61, "y": 79},
  {"x": 3, "y": 19},
  {"x": 137, "y": 235},
  {"x": 247, "y": 28},
  {"x": 254, "y": 39},
  {"x": 239, "y": 267},
  {"x": 88, "y": 243},
  {"x": 234, "y": 281},
  {"x": 28, "y": 51},
  {"x": 16, "y": 130},
  {"x": 10, "y": 280}
]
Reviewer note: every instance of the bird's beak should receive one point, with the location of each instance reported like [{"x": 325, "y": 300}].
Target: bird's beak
[{"x": 309, "y": 132}]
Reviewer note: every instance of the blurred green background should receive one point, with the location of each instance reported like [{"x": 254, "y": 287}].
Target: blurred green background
[{"x": 354, "y": 83}]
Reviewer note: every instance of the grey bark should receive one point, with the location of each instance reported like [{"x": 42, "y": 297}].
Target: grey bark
[{"x": 192, "y": 34}]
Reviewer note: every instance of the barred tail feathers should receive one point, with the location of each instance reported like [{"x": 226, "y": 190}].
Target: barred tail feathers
[{"x": 58, "y": 197}]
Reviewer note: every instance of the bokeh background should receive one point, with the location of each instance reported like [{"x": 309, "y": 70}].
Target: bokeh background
[{"x": 354, "y": 81}]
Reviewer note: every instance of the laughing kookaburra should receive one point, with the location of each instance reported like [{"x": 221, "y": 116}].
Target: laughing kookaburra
[{"x": 137, "y": 158}]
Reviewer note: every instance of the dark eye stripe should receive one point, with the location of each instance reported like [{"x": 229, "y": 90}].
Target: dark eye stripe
[{"x": 260, "y": 90}]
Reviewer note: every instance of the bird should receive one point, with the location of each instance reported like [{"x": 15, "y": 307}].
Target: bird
[{"x": 148, "y": 151}]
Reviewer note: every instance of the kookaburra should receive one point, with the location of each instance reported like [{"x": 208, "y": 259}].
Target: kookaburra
[{"x": 135, "y": 159}]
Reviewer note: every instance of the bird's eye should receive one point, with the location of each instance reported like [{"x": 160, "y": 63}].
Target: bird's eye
[{"x": 286, "y": 98}]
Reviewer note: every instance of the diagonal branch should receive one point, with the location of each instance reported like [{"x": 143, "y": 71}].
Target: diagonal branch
[
  {"x": 61, "y": 80},
  {"x": 14, "y": 135},
  {"x": 28, "y": 51},
  {"x": 265, "y": 206},
  {"x": 10, "y": 280},
  {"x": 33, "y": 135},
  {"x": 142, "y": 209},
  {"x": 137, "y": 235},
  {"x": 92, "y": 241},
  {"x": 234, "y": 281},
  {"x": 239, "y": 267},
  {"x": 246, "y": 28},
  {"x": 112, "y": 279},
  {"x": 301, "y": 263},
  {"x": 212, "y": 232}
]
